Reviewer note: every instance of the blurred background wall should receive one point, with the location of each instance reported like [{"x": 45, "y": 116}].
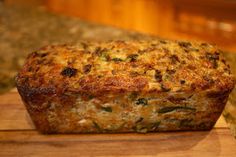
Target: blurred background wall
[{"x": 208, "y": 20}]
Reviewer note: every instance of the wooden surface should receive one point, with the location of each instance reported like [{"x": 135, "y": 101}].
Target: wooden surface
[{"x": 19, "y": 138}]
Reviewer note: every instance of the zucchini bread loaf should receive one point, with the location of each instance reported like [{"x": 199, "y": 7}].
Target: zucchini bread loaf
[{"x": 125, "y": 86}]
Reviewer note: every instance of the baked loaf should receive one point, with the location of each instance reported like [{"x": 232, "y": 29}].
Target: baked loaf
[{"x": 125, "y": 86}]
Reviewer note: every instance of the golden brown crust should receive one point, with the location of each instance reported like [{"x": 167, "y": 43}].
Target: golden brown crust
[
  {"x": 128, "y": 66},
  {"x": 177, "y": 85}
]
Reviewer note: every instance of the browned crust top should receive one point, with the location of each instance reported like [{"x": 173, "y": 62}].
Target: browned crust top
[{"x": 126, "y": 66}]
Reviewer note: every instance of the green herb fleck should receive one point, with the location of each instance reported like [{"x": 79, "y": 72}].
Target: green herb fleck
[
  {"x": 172, "y": 108},
  {"x": 107, "y": 109},
  {"x": 117, "y": 59},
  {"x": 139, "y": 120},
  {"x": 103, "y": 55},
  {"x": 96, "y": 126},
  {"x": 140, "y": 129},
  {"x": 69, "y": 72},
  {"x": 142, "y": 101},
  {"x": 155, "y": 125},
  {"x": 132, "y": 57}
]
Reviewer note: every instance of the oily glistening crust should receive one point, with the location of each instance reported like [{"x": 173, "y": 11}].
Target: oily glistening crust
[{"x": 62, "y": 76}]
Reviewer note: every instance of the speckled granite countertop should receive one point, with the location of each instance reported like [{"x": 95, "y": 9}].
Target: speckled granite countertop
[{"x": 23, "y": 30}]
